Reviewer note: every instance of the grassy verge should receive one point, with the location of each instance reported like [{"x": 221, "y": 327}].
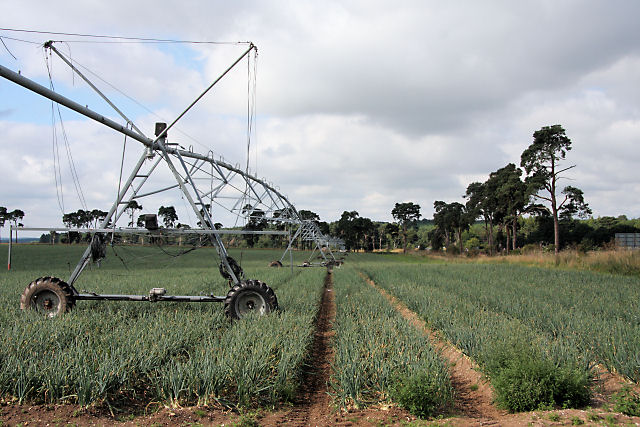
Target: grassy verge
[{"x": 622, "y": 262}]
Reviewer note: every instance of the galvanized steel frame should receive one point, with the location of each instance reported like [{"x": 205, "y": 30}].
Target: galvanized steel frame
[{"x": 224, "y": 180}]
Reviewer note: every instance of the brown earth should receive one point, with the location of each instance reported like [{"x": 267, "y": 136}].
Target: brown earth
[
  {"x": 473, "y": 405},
  {"x": 313, "y": 406},
  {"x": 313, "y": 400}
]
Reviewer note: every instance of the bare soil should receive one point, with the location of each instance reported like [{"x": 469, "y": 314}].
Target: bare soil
[
  {"x": 473, "y": 405},
  {"x": 313, "y": 406},
  {"x": 313, "y": 400}
]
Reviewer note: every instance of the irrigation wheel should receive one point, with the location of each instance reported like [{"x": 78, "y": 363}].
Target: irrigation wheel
[
  {"x": 48, "y": 295},
  {"x": 250, "y": 296}
]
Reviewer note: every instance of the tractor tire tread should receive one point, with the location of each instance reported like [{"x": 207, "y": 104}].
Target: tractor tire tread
[
  {"x": 64, "y": 287},
  {"x": 271, "y": 299}
]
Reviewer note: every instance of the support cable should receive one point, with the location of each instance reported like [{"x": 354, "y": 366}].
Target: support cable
[
  {"x": 131, "y": 39},
  {"x": 5, "y": 46},
  {"x": 56, "y": 161},
  {"x": 72, "y": 167},
  {"x": 135, "y": 101},
  {"x": 57, "y": 174},
  {"x": 21, "y": 40}
]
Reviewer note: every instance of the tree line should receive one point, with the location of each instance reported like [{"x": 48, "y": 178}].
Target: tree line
[
  {"x": 515, "y": 206},
  {"x": 509, "y": 193}
]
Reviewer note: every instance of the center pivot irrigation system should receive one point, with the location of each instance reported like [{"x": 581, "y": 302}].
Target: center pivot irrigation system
[{"x": 206, "y": 183}]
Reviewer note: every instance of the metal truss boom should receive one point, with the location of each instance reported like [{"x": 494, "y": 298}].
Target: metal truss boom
[{"x": 192, "y": 171}]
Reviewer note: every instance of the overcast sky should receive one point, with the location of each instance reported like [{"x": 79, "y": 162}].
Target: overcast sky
[{"x": 360, "y": 104}]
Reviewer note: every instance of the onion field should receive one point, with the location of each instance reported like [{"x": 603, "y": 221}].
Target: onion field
[
  {"x": 379, "y": 355},
  {"x": 181, "y": 353},
  {"x": 509, "y": 318},
  {"x": 537, "y": 334}
]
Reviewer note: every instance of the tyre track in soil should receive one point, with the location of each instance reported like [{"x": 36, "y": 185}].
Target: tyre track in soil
[
  {"x": 312, "y": 405},
  {"x": 473, "y": 394}
]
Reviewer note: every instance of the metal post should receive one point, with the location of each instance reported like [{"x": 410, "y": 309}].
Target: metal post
[
  {"x": 48, "y": 93},
  {"x": 10, "y": 239},
  {"x": 290, "y": 252},
  {"x": 291, "y": 240}
]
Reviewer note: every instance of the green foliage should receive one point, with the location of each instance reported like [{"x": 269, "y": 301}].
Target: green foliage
[
  {"x": 628, "y": 402},
  {"x": 379, "y": 355},
  {"x": 169, "y": 215},
  {"x": 568, "y": 319},
  {"x": 257, "y": 222},
  {"x": 422, "y": 394},
  {"x": 542, "y": 162},
  {"x": 576, "y": 421},
  {"x": 405, "y": 214},
  {"x": 524, "y": 380},
  {"x": 356, "y": 231},
  {"x": 472, "y": 243},
  {"x": 570, "y": 315},
  {"x": 169, "y": 352},
  {"x": 452, "y": 219},
  {"x": 550, "y": 145}
]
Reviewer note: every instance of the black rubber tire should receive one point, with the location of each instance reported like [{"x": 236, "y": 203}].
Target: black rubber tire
[
  {"x": 48, "y": 295},
  {"x": 249, "y": 296},
  {"x": 235, "y": 267}
]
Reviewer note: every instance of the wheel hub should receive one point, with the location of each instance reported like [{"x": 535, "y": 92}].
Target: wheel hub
[
  {"x": 250, "y": 302},
  {"x": 47, "y": 301}
]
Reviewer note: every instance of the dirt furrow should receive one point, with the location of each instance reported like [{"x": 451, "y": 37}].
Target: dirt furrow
[
  {"x": 313, "y": 403},
  {"x": 474, "y": 397}
]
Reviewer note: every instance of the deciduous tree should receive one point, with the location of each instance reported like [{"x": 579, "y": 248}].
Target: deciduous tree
[
  {"x": 97, "y": 216},
  {"x": 256, "y": 222},
  {"x": 346, "y": 229},
  {"x": 391, "y": 232},
  {"x": 451, "y": 218},
  {"x": 15, "y": 216},
  {"x": 482, "y": 202},
  {"x": 512, "y": 196}
]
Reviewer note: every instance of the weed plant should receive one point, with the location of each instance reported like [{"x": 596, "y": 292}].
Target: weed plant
[
  {"x": 525, "y": 380},
  {"x": 628, "y": 402}
]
